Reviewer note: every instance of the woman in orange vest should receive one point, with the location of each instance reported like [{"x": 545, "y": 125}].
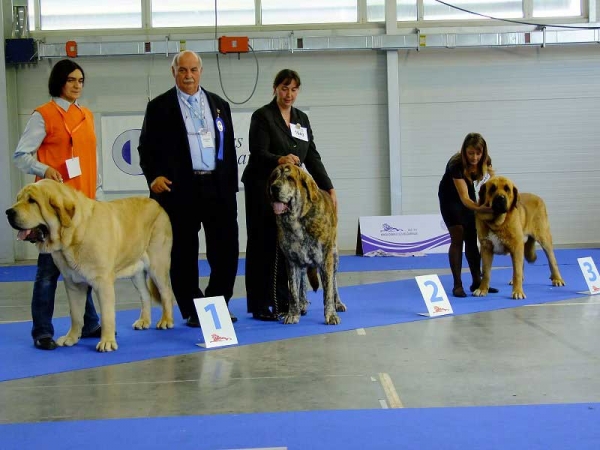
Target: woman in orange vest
[{"x": 59, "y": 143}]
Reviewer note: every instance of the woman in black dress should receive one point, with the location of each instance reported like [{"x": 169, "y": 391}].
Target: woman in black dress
[
  {"x": 465, "y": 173},
  {"x": 279, "y": 134}
]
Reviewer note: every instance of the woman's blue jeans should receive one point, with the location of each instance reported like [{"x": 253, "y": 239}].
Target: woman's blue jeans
[{"x": 42, "y": 302}]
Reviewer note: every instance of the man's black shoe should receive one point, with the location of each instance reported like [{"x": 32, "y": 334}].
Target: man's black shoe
[
  {"x": 45, "y": 343},
  {"x": 192, "y": 322}
]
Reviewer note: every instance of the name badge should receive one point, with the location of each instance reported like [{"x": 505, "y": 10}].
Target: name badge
[
  {"x": 299, "y": 132},
  {"x": 73, "y": 167},
  {"x": 207, "y": 139}
]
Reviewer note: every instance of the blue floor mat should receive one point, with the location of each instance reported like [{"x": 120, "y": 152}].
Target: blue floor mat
[
  {"x": 369, "y": 305},
  {"x": 527, "y": 427},
  {"x": 352, "y": 263}
]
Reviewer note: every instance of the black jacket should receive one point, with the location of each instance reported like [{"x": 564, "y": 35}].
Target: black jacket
[
  {"x": 270, "y": 138},
  {"x": 164, "y": 147}
]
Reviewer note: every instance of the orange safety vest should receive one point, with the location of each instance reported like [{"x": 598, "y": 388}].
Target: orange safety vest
[{"x": 70, "y": 134}]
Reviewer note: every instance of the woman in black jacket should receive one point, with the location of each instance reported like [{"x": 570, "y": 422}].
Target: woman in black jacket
[{"x": 279, "y": 134}]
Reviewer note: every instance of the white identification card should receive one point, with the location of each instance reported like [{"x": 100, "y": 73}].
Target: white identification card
[
  {"x": 299, "y": 132},
  {"x": 215, "y": 322},
  {"x": 206, "y": 138},
  {"x": 590, "y": 273},
  {"x": 434, "y": 295},
  {"x": 73, "y": 167}
]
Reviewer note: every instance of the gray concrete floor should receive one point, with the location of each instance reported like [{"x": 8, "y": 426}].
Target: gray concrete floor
[{"x": 527, "y": 355}]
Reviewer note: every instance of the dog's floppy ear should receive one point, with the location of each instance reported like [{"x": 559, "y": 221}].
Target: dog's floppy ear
[
  {"x": 312, "y": 190},
  {"x": 64, "y": 208},
  {"x": 482, "y": 194},
  {"x": 515, "y": 198}
]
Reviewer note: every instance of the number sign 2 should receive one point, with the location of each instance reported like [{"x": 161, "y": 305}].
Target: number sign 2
[{"x": 434, "y": 295}]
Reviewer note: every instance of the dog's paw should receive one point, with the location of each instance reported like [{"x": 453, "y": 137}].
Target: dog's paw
[
  {"x": 67, "y": 341},
  {"x": 480, "y": 292},
  {"x": 141, "y": 324},
  {"x": 163, "y": 323},
  {"x": 291, "y": 318},
  {"x": 304, "y": 307},
  {"x": 107, "y": 345},
  {"x": 558, "y": 282},
  {"x": 518, "y": 295},
  {"x": 332, "y": 319},
  {"x": 340, "y": 307}
]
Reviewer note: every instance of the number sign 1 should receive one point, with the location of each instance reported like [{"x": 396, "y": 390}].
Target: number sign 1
[
  {"x": 434, "y": 295},
  {"x": 590, "y": 273},
  {"x": 215, "y": 322}
]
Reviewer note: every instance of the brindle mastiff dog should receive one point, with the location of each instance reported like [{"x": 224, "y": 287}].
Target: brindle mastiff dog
[
  {"x": 307, "y": 231},
  {"x": 514, "y": 226},
  {"x": 94, "y": 243}
]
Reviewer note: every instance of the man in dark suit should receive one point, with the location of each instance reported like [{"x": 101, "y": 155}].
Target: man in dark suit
[{"x": 187, "y": 153}]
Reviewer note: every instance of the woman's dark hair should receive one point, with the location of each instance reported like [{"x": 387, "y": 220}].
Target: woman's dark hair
[
  {"x": 59, "y": 74},
  {"x": 484, "y": 166},
  {"x": 286, "y": 76}
]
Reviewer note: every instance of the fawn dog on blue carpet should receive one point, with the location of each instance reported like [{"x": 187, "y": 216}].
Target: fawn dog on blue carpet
[{"x": 517, "y": 222}]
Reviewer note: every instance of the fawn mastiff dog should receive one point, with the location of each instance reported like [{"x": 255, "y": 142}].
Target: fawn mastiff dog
[
  {"x": 307, "y": 231},
  {"x": 517, "y": 222},
  {"x": 94, "y": 243}
]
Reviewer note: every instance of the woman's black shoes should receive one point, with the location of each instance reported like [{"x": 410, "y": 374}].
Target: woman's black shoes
[
  {"x": 459, "y": 292},
  {"x": 491, "y": 290},
  {"x": 45, "y": 343},
  {"x": 265, "y": 315}
]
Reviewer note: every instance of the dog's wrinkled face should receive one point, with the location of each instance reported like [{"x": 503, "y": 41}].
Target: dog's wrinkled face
[
  {"x": 37, "y": 216},
  {"x": 291, "y": 189},
  {"x": 500, "y": 194}
]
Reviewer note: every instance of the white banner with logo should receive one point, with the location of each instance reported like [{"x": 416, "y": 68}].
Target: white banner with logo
[
  {"x": 120, "y": 158},
  {"x": 407, "y": 235}
]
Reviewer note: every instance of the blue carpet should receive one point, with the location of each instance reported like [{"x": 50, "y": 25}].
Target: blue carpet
[
  {"x": 369, "y": 305},
  {"x": 532, "y": 427},
  {"x": 351, "y": 263}
]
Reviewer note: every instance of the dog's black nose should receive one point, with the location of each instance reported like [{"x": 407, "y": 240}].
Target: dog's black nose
[
  {"x": 274, "y": 190},
  {"x": 10, "y": 213}
]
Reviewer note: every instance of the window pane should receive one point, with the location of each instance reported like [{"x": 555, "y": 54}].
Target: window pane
[
  {"x": 406, "y": 10},
  {"x": 77, "y": 14},
  {"x": 433, "y": 10},
  {"x": 195, "y": 13},
  {"x": 308, "y": 11},
  {"x": 554, "y": 8}
]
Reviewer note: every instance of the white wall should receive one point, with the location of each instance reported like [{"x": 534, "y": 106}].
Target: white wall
[
  {"x": 536, "y": 107},
  {"x": 345, "y": 93}
]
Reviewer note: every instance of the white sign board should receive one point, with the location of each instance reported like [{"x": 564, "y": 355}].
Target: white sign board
[
  {"x": 402, "y": 235},
  {"x": 434, "y": 295},
  {"x": 120, "y": 158},
  {"x": 590, "y": 273},
  {"x": 215, "y": 322}
]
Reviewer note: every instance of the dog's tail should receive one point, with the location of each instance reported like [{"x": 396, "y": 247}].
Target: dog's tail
[
  {"x": 530, "y": 254},
  {"x": 313, "y": 278}
]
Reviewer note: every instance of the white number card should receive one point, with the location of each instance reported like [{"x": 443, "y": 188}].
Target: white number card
[
  {"x": 590, "y": 273},
  {"x": 434, "y": 295},
  {"x": 299, "y": 132},
  {"x": 215, "y": 322},
  {"x": 73, "y": 167}
]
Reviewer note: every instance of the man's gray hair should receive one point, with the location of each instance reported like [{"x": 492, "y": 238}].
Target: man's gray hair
[{"x": 175, "y": 62}]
